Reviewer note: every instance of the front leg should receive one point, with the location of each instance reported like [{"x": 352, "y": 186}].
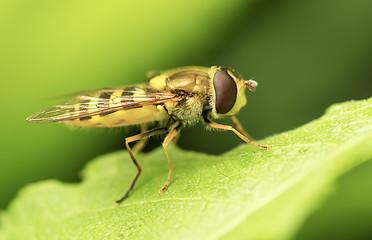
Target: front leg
[
  {"x": 239, "y": 127},
  {"x": 229, "y": 128}
]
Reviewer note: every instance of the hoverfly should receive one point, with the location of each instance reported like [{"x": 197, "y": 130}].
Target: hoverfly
[{"x": 172, "y": 99}]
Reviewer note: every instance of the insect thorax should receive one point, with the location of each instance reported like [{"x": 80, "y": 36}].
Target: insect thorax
[{"x": 193, "y": 87}]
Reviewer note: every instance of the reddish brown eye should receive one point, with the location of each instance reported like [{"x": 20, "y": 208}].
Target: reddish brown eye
[{"x": 225, "y": 91}]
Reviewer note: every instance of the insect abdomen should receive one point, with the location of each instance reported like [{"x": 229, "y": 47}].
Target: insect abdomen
[{"x": 122, "y": 118}]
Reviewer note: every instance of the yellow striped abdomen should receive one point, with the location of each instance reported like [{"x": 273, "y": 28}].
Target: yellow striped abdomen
[{"x": 122, "y": 118}]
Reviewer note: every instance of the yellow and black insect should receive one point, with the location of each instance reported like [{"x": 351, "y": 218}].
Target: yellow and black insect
[{"x": 172, "y": 99}]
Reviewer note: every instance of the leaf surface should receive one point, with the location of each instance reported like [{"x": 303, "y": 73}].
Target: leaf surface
[{"x": 244, "y": 193}]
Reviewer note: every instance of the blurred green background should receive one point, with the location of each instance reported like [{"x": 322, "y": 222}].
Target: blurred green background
[{"x": 306, "y": 55}]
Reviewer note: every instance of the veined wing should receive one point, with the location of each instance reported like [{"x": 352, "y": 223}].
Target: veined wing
[{"x": 103, "y": 102}]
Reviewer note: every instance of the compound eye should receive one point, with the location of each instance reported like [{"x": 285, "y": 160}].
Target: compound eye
[{"x": 225, "y": 91}]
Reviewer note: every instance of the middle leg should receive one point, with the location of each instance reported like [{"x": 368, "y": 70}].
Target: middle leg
[{"x": 166, "y": 141}]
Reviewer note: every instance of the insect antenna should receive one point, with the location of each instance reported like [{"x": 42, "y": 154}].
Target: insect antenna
[{"x": 251, "y": 84}]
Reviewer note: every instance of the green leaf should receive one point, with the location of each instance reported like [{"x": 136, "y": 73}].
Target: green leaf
[{"x": 245, "y": 193}]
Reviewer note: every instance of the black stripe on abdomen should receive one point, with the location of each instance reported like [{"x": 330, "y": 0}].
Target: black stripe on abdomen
[
  {"x": 128, "y": 94},
  {"x": 85, "y": 118}
]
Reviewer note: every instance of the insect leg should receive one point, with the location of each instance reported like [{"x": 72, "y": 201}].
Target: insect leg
[
  {"x": 176, "y": 138},
  {"x": 142, "y": 143},
  {"x": 132, "y": 139},
  {"x": 239, "y": 127},
  {"x": 165, "y": 143},
  {"x": 227, "y": 127}
]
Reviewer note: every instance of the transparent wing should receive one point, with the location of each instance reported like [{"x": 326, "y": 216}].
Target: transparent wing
[{"x": 103, "y": 102}]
